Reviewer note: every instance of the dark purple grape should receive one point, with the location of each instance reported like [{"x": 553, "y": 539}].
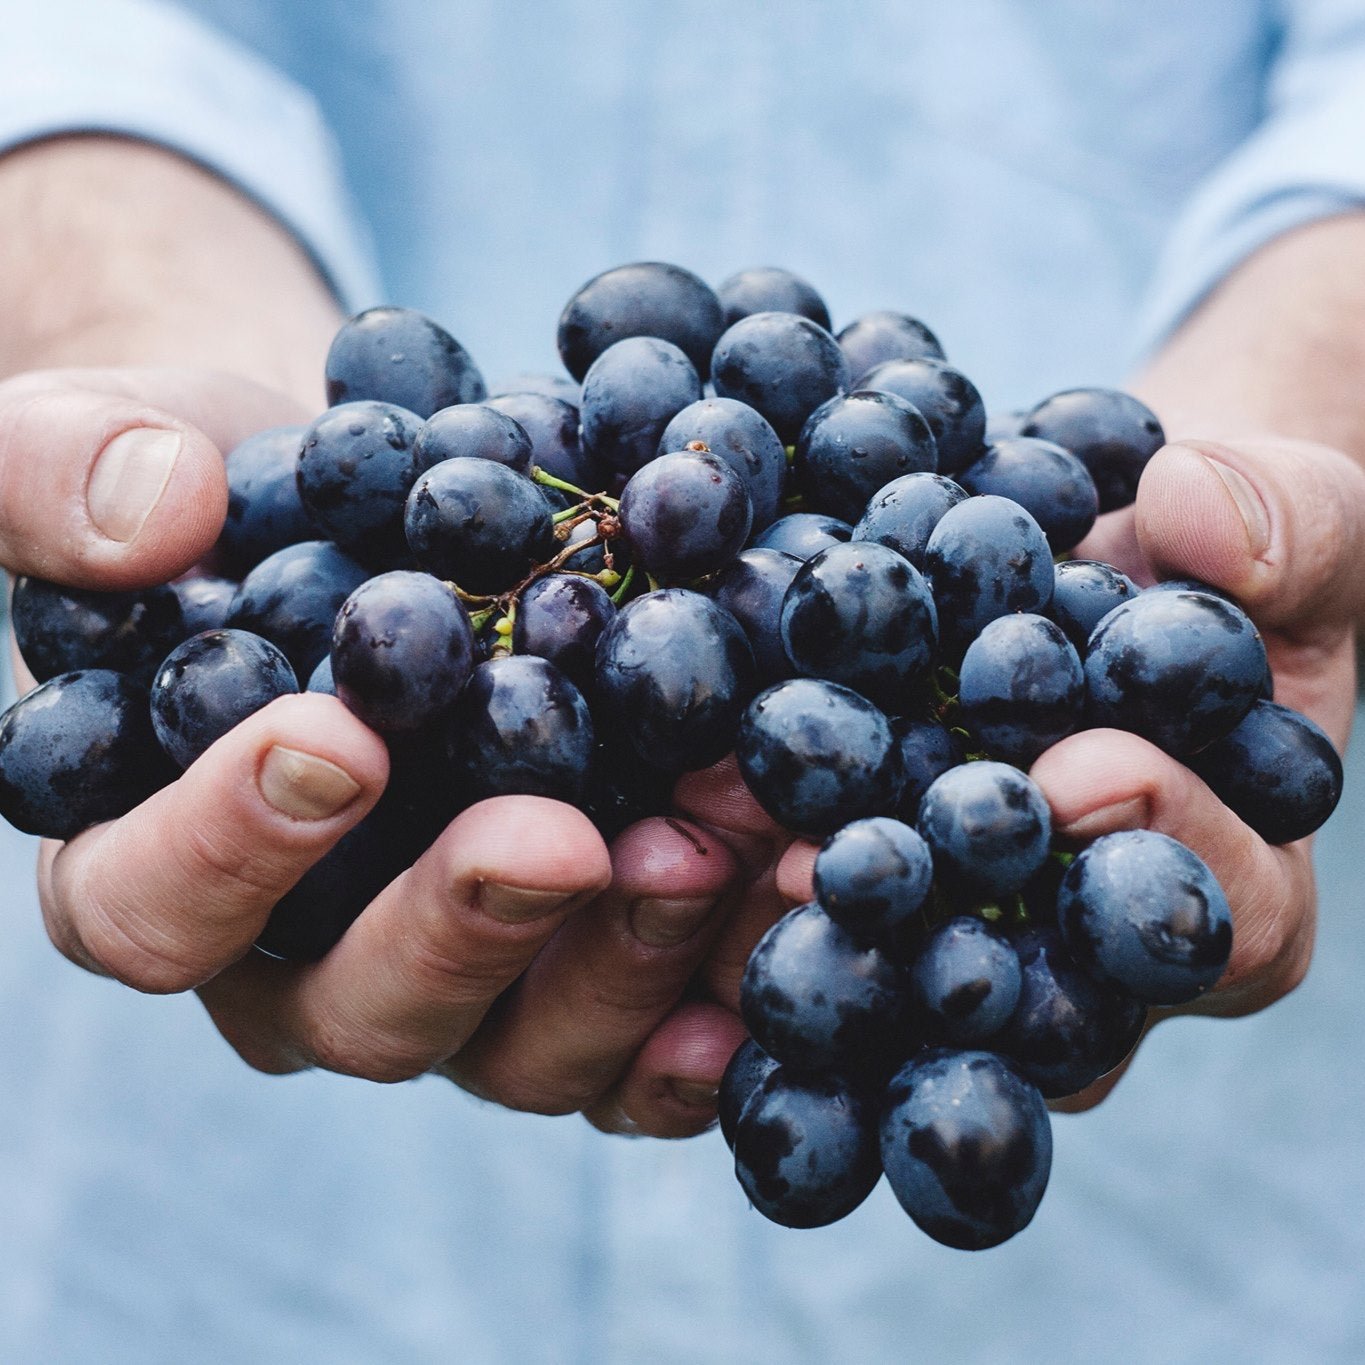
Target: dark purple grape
[
  {"x": 816, "y": 755},
  {"x": 857, "y": 443},
  {"x": 1180, "y": 669},
  {"x": 966, "y": 981},
  {"x": 806, "y": 1150},
  {"x": 1084, "y": 591},
  {"x": 644, "y": 299},
  {"x": 521, "y": 728},
  {"x": 903, "y": 514},
  {"x": 475, "y": 430},
  {"x": 927, "y": 750},
  {"x": 1110, "y": 432},
  {"x": 967, "y": 1146},
  {"x": 559, "y": 618},
  {"x": 1051, "y": 483},
  {"x": 674, "y": 674},
  {"x": 402, "y": 648},
  {"x": 751, "y": 588},
  {"x": 356, "y": 465},
  {"x": 204, "y": 602},
  {"x": 1140, "y": 910},
  {"x": 631, "y": 393},
  {"x": 747, "y": 1067},
  {"x": 822, "y": 1003},
  {"x": 541, "y": 385},
  {"x": 1068, "y": 1028},
  {"x": 987, "y": 557},
  {"x": 685, "y": 515},
  {"x": 624, "y": 790},
  {"x": 478, "y": 524},
  {"x": 321, "y": 680},
  {"x": 989, "y": 828},
  {"x": 1004, "y": 426},
  {"x": 946, "y": 399},
  {"x": 876, "y": 337},
  {"x": 292, "y": 599},
  {"x": 1276, "y": 770},
  {"x": 804, "y": 534},
  {"x": 783, "y": 365},
  {"x": 212, "y": 683},
  {"x": 61, "y": 630},
  {"x": 264, "y": 512},
  {"x": 744, "y": 440},
  {"x": 860, "y": 615},
  {"x": 551, "y": 425},
  {"x": 770, "y": 289},
  {"x": 77, "y": 751},
  {"x": 396, "y": 355},
  {"x": 872, "y": 878},
  {"x": 1021, "y": 687}
]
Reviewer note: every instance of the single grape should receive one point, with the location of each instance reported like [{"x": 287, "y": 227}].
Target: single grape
[
  {"x": 1110, "y": 432},
  {"x": 402, "y": 648},
  {"x": 1051, "y": 483},
  {"x": 476, "y": 430},
  {"x": 883, "y": 335},
  {"x": 264, "y": 512},
  {"x": 644, "y": 299},
  {"x": 396, "y": 355},
  {"x": 292, "y": 598},
  {"x": 531, "y": 382},
  {"x": 782, "y": 364},
  {"x": 1276, "y": 770},
  {"x": 356, "y": 465},
  {"x": 804, "y": 534},
  {"x": 855, "y": 444},
  {"x": 1084, "y": 592},
  {"x": 967, "y": 1146},
  {"x": 212, "y": 683},
  {"x": 860, "y": 615},
  {"x": 685, "y": 514},
  {"x": 927, "y": 751},
  {"x": 559, "y": 618},
  {"x": 751, "y": 588},
  {"x": 989, "y": 828},
  {"x": 674, "y": 673},
  {"x": 76, "y": 751},
  {"x": 1143, "y": 911},
  {"x": 1180, "y": 669},
  {"x": 770, "y": 289},
  {"x": 816, "y": 755},
  {"x": 966, "y": 981},
  {"x": 746, "y": 1068},
  {"x": 822, "y": 1003},
  {"x": 806, "y": 1150},
  {"x": 478, "y": 524},
  {"x": 62, "y": 630},
  {"x": 551, "y": 425},
  {"x": 205, "y": 601}
]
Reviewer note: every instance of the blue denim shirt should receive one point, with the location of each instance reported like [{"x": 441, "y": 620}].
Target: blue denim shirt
[{"x": 1051, "y": 186}]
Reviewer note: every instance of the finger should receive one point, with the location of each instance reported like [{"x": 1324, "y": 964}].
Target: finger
[
  {"x": 718, "y": 799},
  {"x": 1280, "y": 526},
  {"x": 171, "y": 893},
  {"x": 413, "y": 977},
  {"x": 109, "y": 488},
  {"x": 1099, "y": 781},
  {"x": 796, "y": 872},
  {"x": 597, "y": 991},
  {"x": 671, "y": 1087}
]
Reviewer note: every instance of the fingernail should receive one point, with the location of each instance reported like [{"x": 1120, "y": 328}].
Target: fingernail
[
  {"x": 304, "y": 786},
  {"x": 694, "y": 1094},
  {"x": 1249, "y": 506},
  {"x": 129, "y": 476},
  {"x": 659, "y": 922},
  {"x": 1130, "y": 814},
  {"x": 517, "y": 904}
]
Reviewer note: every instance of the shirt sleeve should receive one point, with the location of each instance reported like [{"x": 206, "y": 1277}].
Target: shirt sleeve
[
  {"x": 1304, "y": 161},
  {"x": 146, "y": 69}
]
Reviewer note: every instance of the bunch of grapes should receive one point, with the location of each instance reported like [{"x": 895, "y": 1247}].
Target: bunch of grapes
[{"x": 741, "y": 533}]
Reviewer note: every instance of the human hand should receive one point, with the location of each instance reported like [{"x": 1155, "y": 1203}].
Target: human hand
[
  {"x": 518, "y": 956},
  {"x": 1282, "y": 529}
]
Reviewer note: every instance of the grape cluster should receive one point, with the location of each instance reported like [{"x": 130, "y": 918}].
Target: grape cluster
[{"x": 732, "y": 530}]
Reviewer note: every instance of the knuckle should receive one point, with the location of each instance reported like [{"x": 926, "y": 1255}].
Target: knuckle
[
  {"x": 460, "y": 978},
  {"x": 143, "y": 959},
  {"x": 229, "y": 863},
  {"x": 384, "y": 1061}
]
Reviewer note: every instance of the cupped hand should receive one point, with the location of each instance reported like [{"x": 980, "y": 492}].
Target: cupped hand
[{"x": 518, "y": 956}]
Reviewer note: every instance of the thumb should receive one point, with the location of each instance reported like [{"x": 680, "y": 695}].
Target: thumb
[
  {"x": 115, "y": 479},
  {"x": 1280, "y": 525}
]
